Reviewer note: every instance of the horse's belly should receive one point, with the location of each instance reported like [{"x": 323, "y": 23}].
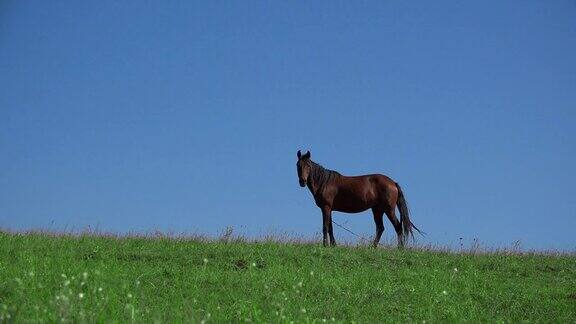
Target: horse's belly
[
  {"x": 350, "y": 209},
  {"x": 354, "y": 205}
]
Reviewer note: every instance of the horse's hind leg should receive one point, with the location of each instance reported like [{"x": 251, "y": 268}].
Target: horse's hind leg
[
  {"x": 391, "y": 213},
  {"x": 378, "y": 214}
]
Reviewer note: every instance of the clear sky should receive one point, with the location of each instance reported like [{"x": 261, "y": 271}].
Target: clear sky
[{"x": 185, "y": 116}]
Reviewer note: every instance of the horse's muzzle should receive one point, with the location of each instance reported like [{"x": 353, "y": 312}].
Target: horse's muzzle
[{"x": 302, "y": 183}]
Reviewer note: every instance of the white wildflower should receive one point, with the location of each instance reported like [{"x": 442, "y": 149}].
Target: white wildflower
[{"x": 81, "y": 295}]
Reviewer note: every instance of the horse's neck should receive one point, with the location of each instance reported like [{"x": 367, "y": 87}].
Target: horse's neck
[{"x": 314, "y": 185}]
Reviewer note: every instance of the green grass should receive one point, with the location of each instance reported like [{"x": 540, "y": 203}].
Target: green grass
[{"x": 98, "y": 278}]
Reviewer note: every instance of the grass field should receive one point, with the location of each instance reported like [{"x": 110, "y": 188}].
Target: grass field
[{"x": 91, "y": 278}]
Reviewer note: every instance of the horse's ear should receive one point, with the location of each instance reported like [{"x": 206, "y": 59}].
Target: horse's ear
[
  {"x": 307, "y": 155},
  {"x": 299, "y": 154}
]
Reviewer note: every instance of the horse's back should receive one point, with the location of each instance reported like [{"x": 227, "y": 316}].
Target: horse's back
[{"x": 376, "y": 179}]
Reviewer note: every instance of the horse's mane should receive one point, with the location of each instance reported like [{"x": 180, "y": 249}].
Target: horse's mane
[{"x": 321, "y": 175}]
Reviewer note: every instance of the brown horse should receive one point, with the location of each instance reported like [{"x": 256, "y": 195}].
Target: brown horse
[{"x": 335, "y": 192}]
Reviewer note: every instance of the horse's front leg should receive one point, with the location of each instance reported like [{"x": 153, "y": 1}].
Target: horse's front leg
[
  {"x": 326, "y": 220},
  {"x": 331, "y": 232}
]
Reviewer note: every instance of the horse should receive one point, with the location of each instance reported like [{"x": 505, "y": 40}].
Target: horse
[{"x": 335, "y": 192}]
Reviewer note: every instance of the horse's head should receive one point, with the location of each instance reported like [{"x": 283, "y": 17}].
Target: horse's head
[{"x": 303, "y": 166}]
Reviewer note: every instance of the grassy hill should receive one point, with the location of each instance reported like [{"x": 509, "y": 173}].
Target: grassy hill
[{"x": 102, "y": 278}]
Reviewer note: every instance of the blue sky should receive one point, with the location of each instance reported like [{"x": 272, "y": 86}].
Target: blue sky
[{"x": 186, "y": 116}]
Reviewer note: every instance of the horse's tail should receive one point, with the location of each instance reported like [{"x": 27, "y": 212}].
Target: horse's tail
[{"x": 407, "y": 225}]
